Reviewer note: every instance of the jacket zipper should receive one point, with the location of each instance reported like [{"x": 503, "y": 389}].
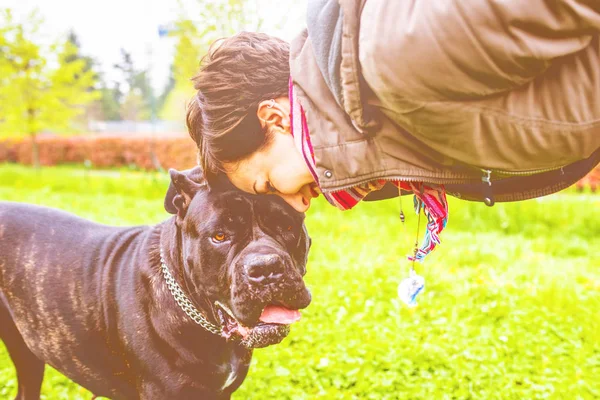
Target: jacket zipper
[
  {"x": 486, "y": 179},
  {"x": 488, "y": 194},
  {"x": 523, "y": 173},
  {"x": 404, "y": 179}
]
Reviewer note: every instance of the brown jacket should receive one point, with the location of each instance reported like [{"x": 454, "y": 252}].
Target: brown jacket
[{"x": 452, "y": 92}]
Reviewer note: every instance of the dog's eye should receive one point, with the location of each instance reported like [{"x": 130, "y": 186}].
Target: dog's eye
[{"x": 219, "y": 237}]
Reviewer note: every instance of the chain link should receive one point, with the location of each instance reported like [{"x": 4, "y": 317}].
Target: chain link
[{"x": 184, "y": 303}]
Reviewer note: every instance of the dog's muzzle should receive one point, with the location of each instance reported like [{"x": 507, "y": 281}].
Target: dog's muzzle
[{"x": 274, "y": 321}]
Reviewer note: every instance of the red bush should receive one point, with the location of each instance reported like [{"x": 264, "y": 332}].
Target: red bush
[
  {"x": 132, "y": 150},
  {"x": 106, "y": 151},
  {"x": 8, "y": 150},
  {"x": 592, "y": 180}
]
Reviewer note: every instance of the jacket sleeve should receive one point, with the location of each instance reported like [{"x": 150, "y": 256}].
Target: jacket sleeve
[{"x": 459, "y": 50}]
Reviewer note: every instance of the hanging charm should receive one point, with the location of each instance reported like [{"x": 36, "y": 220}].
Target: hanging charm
[
  {"x": 402, "y": 217},
  {"x": 410, "y": 288}
]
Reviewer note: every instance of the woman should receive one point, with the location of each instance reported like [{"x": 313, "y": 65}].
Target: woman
[{"x": 487, "y": 100}]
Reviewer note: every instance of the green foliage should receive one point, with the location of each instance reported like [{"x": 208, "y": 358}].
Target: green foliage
[
  {"x": 510, "y": 310},
  {"x": 189, "y": 48},
  {"x": 110, "y": 98},
  {"x": 38, "y": 92},
  {"x": 212, "y": 20},
  {"x": 22, "y": 63},
  {"x": 88, "y": 61},
  {"x": 107, "y": 104},
  {"x": 161, "y": 101},
  {"x": 188, "y": 51},
  {"x": 138, "y": 102}
]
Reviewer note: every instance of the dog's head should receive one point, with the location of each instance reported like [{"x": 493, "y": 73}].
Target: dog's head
[{"x": 245, "y": 253}]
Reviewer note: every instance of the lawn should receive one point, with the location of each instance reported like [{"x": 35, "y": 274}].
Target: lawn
[{"x": 511, "y": 309}]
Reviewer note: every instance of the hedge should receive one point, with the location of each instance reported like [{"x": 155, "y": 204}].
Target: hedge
[
  {"x": 127, "y": 150},
  {"x": 105, "y": 151}
]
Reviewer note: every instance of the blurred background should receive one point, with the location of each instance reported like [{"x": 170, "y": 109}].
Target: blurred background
[
  {"x": 92, "y": 111},
  {"x": 79, "y": 76}
]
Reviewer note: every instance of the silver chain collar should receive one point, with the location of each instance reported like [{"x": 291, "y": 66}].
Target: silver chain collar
[{"x": 184, "y": 303}]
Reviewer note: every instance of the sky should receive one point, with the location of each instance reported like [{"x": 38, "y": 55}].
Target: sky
[{"x": 104, "y": 27}]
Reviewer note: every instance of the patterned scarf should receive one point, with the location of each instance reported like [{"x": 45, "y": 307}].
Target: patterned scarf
[{"x": 429, "y": 198}]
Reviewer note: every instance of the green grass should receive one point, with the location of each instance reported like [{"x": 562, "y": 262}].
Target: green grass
[{"x": 511, "y": 309}]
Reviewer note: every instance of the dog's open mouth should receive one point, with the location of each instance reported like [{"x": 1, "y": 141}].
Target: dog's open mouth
[{"x": 273, "y": 325}]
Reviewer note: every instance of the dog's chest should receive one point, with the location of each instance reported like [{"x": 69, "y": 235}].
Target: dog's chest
[
  {"x": 235, "y": 370},
  {"x": 231, "y": 378}
]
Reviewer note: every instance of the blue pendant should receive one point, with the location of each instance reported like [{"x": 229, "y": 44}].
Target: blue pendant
[{"x": 410, "y": 288}]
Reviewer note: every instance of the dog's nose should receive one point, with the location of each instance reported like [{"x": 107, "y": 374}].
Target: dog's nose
[{"x": 264, "y": 269}]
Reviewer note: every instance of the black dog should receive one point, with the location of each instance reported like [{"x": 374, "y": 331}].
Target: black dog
[{"x": 164, "y": 312}]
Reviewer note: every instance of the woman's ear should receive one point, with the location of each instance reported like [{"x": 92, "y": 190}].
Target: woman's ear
[{"x": 274, "y": 114}]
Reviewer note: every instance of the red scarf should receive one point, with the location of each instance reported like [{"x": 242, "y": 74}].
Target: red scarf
[{"x": 428, "y": 197}]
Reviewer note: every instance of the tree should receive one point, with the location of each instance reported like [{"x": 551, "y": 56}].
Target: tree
[
  {"x": 43, "y": 87},
  {"x": 169, "y": 87},
  {"x": 110, "y": 101},
  {"x": 214, "y": 19},
  {"x": 6, "y": 30},
  {"x": 107, "y": 105},
  {"x": 89, "y": 62},
  {"x": 188, "y": 50},
  {"x": 139, "y": 100}
]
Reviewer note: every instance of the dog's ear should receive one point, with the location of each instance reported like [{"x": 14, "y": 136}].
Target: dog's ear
[{"x": 184, "y": 186}]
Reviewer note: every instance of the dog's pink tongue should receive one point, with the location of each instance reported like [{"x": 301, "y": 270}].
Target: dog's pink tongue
[{"x": 279, "y": 315}]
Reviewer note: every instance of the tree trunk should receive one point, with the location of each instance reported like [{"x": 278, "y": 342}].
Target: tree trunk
[
  {"x": 154, "y": 157},
  {"x": 35, "y": 151}
]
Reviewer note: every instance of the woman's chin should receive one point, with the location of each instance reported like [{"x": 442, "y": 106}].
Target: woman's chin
[{"x": 304, "y": 205}]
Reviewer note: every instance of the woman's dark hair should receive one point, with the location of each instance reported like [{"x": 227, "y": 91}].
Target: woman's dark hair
[{"x": 236, "y": 75}]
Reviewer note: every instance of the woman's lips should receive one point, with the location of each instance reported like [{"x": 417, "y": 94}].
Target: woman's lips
[{"x": 308, "y": 195}]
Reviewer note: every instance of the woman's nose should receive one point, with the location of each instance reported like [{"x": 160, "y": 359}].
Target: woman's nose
[{"x": 297, "y": 201}]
